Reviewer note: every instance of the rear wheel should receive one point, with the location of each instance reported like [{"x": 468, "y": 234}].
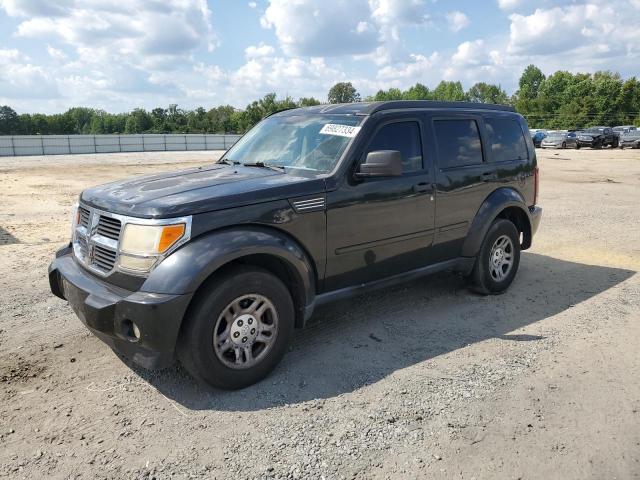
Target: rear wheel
[
  {"x": 615, "y": 143},
  {"x": 498, "y": 259},
  {"x": 577, "y": 146},
  {"x": 564, "y": 145},
  {"x": 238, "y": 329}
]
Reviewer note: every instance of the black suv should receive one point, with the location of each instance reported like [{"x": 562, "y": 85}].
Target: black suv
[
  {"x": 217, "y": 265},
  {"x": 597, "y": 137}
]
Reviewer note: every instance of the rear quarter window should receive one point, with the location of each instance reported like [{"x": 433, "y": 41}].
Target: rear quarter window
[{"x": 506, "y": 139}]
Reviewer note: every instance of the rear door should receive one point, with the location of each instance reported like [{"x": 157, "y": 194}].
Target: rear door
[{"x": 464, "y": 178}]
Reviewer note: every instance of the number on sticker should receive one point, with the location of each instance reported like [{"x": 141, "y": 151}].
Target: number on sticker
[{"x": 340, "y": 130}]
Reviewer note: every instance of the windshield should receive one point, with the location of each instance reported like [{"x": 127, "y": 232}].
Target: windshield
[
  {"x": 304, "y": 142},
  {"x": 594, "y": 130}
]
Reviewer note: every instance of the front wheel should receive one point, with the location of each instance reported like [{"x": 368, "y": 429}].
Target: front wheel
[
  {"x": 564, "y": 145},
  {"x": 498, "y": 259},
  {"x": 238, "y": 329},
  {"x": 615, "y": 143},
  {"x": 577, "y": 146}
]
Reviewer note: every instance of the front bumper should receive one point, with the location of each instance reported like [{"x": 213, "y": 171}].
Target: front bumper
[
  {"x": 631, "y": 144},
  {"x": 551, "y": 145},
  {"x": 109, "y": 311}
]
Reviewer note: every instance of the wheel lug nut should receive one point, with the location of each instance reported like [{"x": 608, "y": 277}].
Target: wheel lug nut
[
  {"x": 244, "y": 339},
  {"x": 239, "y": 323},
  {"x": 253, "y": 330},
  {"x": 250, "y": 321},
  {"x": 236, "y": 334}
]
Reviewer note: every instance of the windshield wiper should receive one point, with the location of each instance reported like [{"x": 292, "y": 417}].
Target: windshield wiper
[
  {"x": 226, "y": 161},
  {"x": 278, "y": 168}
]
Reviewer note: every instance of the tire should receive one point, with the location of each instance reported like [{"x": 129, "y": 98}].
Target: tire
[
  {"x": 577, "y": 146},
  {"x": 482, "y": 278},
  {"x": 240, "y": 289},
  {"x": 564, "y": 145},
  {"x": 615, "y": 143},
  {"x": 598, "y": 146}
]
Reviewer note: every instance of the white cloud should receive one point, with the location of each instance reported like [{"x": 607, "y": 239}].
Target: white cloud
[
  {"x": 19, "y": 78},
  {"x": 457, "y": 21},
  {"x": 253, "y": 4},
  {"x": 320, "y": 27},
  {"x": 470, "y": 53},
  {"x": 563, "y": 29},
  {"x": 337, "y": 27},
  {"x": 56, "y": 53},
  {"x": 134, "y": 30},
  {"x": 261, "y": 50},
  {"x": 417, "y": 69},
  {"x": 509, "y": 4}
]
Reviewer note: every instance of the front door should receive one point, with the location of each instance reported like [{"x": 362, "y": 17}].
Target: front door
[{"x": 377, "y": 227}]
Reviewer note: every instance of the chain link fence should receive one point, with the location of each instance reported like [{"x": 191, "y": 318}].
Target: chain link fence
[{"x": 15, "y": 145}]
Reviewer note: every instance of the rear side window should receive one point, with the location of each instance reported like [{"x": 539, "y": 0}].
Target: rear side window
[
  {"x": 458, "y": 143},
  {"x": 506, "y": 139},
  {"x": 404, "y": 137}
]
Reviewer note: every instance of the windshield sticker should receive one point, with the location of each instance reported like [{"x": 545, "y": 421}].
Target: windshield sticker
[{"x": 340, "y": 130}]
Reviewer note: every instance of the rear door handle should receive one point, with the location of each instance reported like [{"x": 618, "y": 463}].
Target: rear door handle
[{"x": 421, "y": 187}]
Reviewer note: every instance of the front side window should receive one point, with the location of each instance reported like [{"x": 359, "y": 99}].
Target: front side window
[
  {"x": 311, "y": 143},
  {"x": 403, "y": 137},
  {"x": 506, "y": 139},
  {"x": 458, "y": 143}
]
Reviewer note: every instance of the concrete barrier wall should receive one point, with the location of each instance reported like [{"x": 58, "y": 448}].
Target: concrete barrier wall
[{"x": 14, "y": 145}]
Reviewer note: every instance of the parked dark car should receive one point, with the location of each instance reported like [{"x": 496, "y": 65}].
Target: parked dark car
[
  {"x": 630, "y": 139},
  {"x": 560, "y": 139},
  {"x": 597, "y": 137},
  {"x": 537, "y": 137},
  {"x": 217, "y": 265}
]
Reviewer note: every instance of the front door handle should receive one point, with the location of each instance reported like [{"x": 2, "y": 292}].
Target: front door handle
[{"x": 421, "y": 187}]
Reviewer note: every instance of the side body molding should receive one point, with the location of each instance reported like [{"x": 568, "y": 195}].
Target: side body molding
[
  {"x": 187, "y": 268},
  {"x": 497, "y": 201}
]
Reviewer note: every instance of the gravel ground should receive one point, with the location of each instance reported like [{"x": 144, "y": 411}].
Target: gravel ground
[{"x": 424, "y": 380}]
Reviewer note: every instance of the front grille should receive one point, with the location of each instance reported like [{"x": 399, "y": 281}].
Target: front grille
[
  {"x": 95, "y": 241},
  {"x": 84, "y": 217},
  {"x": 103, "y": 258},
  {"x": 109, "y": 227}
]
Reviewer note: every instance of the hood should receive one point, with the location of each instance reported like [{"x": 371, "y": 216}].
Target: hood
[
  {"x": 590, "y": 134},
  {"x": 198, "y": 190}
]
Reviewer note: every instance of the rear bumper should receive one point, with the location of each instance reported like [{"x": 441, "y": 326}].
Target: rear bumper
[
  {"x": 108, "y": 312},
  {"x": 535, "y": 214}
]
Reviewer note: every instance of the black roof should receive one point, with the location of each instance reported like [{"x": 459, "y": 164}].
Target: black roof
[{"x": 368, "y": 108}]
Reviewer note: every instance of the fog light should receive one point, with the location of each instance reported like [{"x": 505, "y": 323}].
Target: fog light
[
  {"x": 136, "y": 264},
  {"x": 130, "y": 330}
]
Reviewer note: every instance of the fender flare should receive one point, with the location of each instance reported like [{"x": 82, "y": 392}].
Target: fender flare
[
  {"x": 495, "y": 203},
  {"x": 185, "y": 270}
]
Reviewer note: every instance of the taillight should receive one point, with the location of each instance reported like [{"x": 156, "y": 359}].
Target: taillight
[{"x": 536, "y": 190}]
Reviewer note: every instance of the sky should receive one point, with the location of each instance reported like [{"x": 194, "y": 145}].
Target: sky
[{"x": 119, "y": 55}]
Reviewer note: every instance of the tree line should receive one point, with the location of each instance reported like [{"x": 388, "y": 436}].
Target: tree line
[{"x": 561, "y": 100}]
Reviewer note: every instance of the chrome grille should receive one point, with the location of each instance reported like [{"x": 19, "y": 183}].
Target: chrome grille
[
  {"x": 95, "y": 241},
  {"x": 109, "y": 227},
  {"x": 103, "y": 258},
  {"x": 84, "y": 217}
]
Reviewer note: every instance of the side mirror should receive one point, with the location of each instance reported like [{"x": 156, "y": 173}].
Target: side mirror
[{"x": 382, "y": 163}]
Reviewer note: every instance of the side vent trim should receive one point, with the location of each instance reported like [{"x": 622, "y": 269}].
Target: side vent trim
[{"x": 310, "y": 204}]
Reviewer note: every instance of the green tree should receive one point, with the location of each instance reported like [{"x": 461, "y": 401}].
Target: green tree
[
  {"x": 343, "y": 92},
  {"x": 9, "y": 121},
  {"x": 138, "y": 121},
  {"x": 308, "y": 102},
  {"x": 417, "y": 92},
  {"x": 449, "y": 92},
  {"x": 487, "y": 93}
]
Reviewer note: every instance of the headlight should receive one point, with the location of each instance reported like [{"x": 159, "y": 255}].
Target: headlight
[{"x": 142, "y": 245}]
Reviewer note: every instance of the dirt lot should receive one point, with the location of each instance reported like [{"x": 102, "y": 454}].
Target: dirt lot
[{"x": 424, "y": 380}]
